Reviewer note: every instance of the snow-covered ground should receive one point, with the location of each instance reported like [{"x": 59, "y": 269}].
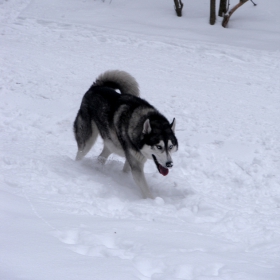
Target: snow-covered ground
[{"x": 217, "y": 213}]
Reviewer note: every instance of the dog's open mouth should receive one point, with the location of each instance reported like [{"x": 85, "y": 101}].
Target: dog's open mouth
[{"x": 162, "y": 170}]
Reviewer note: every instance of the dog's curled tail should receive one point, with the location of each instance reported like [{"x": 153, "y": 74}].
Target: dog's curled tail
[{"x": 118, "y": 79}]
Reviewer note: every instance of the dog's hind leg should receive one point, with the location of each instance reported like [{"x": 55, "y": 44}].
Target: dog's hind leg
[{"x": 86, "y": 133}]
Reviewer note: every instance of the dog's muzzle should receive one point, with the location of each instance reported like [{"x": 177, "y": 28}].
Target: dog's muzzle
[{"x": 161, "y": 169}]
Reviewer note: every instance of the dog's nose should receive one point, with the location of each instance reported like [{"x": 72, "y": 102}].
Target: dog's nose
[{"x": 169, "y": 164}]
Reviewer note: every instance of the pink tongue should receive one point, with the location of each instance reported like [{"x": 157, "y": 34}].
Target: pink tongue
[{"x": 164, "y": 171}]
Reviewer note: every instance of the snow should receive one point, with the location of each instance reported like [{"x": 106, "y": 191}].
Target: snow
[{"x": 217, "y": 213}]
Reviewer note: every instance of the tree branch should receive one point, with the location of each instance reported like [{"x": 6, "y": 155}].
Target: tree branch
[{"x": 227, "y": 16}]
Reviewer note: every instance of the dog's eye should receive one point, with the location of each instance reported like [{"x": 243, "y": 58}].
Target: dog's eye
[
  {"x": 158, "y": 147},
  {"x": 171, "y": 147}
]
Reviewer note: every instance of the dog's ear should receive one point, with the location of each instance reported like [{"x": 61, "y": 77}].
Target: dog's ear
[
  {"x": 147, "y": 127},
  {"x": 173, "y": 124}
]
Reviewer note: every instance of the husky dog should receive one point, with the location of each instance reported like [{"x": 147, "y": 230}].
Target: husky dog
[{"x": 128, "y": 125}]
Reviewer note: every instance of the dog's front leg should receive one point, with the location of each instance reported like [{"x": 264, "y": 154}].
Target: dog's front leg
[
  {"x": 126, "y": 167},
  {"x": 137, "y": 168},
  {"x": 140, "y": 180},
  {"x": 104, "y": 154}
]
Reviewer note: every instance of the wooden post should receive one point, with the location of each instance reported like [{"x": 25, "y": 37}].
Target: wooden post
[
  {"x": 178, "y": 7},
  {"x": 212, "y": 12},
  {"x": 222, "y": 8}
]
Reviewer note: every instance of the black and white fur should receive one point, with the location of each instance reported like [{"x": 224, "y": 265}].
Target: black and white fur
[{"x": 128, "y": 125}]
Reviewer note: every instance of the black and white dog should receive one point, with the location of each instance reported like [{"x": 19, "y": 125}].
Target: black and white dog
[{"x": 128, "y": 125}]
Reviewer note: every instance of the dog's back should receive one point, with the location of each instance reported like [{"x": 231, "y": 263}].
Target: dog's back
[{"x": 99, "y": 105}]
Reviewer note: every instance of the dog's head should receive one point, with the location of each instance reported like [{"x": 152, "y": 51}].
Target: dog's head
[{"x": 159, "y": 143}]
